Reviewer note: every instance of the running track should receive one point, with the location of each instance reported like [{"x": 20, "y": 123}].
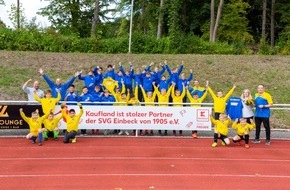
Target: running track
[{"x": 130, "y": 163}]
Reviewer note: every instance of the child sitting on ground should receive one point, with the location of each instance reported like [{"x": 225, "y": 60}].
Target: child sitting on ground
[
  {"x": 243, "y": 131},
  {"x": 221, "y": 129}
]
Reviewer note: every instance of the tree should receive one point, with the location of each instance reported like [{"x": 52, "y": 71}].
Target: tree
[
  {"x": 217, "y": 22},
  {"x": 234, "y": 25},
  {"x": 264, "y": 19},
  {"x": 95, "y": 18},
  {"x": 212, "y": 19},
  {"x": 160, "y": 19},
  {"x": 17, "y": 16},
  {"x": 272, "y": 23}
]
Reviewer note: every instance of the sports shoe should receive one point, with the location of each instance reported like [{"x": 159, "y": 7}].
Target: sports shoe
[
  {"x": 214, "y": 144},
  {"x": 224, "y": 144},
  {"x": 97, "y": 131},
  {"x": 33, "y": 141},
  {"x": 106, "y": 132},
  {"x": 267, "y": 142},
  {"x": 256, "y": 141},
  {"x": 74, "y": 140},
  {"x": 40, "y": 144},
  {"x": 247, "y": 146}
]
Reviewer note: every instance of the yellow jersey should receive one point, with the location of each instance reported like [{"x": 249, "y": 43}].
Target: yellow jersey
[
  {"x": 219, "y": 103},
  {"x": 34, "y": 124}
]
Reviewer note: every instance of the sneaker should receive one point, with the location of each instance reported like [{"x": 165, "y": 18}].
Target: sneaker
[
  {"x": 40, "y": 144},
  {"x": 224, "y": 144},
  {"x": 256, "y": 141},
  {"x": 97, "y": 131},
  {"x": 127, "y": 133},
  {"x": 267, "y": 142},
  {"x": 194, "y": 135},
  {"x": 106, "y": 132},
  {"x": 247, "y": 146},
  {"x": 214, "y": 144},
  {"x": 74, "y": 140},
  {"x": 33, "y": 141}
]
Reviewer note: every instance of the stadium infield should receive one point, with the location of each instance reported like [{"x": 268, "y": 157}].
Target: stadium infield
[{"x": 122, "y": 163}]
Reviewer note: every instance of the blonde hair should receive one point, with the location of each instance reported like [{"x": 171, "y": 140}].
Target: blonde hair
[{"x": 248, "y": 91}]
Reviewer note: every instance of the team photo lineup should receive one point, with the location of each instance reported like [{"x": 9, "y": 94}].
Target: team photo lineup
[{"x": 149, "y": 86}]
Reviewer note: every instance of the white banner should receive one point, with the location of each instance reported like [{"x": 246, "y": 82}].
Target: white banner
[{"x": 143, "y": 117}]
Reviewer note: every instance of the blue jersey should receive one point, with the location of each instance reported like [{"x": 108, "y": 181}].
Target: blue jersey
[
  {"x": 234, "y": 108},
  {"x": 263, "y": 99},
  {"x": 62, "y": 87}
]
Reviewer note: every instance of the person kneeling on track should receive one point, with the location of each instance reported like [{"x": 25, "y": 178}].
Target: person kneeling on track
[{"x": 72, "y": 121}]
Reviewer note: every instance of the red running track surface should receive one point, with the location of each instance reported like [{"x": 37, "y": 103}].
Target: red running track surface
[{"x": 130, "y": 163}]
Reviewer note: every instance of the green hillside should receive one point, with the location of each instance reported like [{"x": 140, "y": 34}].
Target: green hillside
[{"x": 246, "y": 71}]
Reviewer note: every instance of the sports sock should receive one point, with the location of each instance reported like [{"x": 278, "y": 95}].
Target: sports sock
[
  {"x": 55, "y": 134},
  {"x": 40, "y": 137}
]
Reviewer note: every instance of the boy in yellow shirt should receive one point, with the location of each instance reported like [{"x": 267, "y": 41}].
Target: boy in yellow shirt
[
  {"x": 48, "y": 103},
  {"x": 243, "y": 131},
  {"x": 196, "y": 103},
  {"x": 163, "y": 99},
  {"x": 177, "y": 97},
  {"x": 34, "y": 122},
  {"x": 72, "y": 121},
  {"x": 149, "y": 99},
  {"x": 219, "y": 101},
  {"x": 221, "y": 129},
  {"x": 51, "y": 127}
]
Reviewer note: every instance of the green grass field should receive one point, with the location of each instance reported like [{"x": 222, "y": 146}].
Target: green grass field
[{"x": 246, "y": 71}]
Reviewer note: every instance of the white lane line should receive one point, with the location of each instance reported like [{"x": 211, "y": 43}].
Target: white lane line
[
  {"x": 145, "y": 175},
  {"x": 147, "y": 158}
]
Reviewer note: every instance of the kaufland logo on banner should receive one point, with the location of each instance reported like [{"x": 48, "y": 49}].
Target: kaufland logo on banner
[{"x": 202, "y": 115}]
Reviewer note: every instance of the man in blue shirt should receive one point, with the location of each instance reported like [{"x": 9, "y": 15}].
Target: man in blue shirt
[
  {"x": 58, "y": 85},
  {"x": 263, "y": 102}
]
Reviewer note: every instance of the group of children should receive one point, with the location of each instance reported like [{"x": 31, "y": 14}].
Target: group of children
[{"x": 138, "y": 87}]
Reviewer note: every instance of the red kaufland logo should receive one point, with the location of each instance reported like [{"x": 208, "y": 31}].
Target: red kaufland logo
[{"x": 202, "y": 115}]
